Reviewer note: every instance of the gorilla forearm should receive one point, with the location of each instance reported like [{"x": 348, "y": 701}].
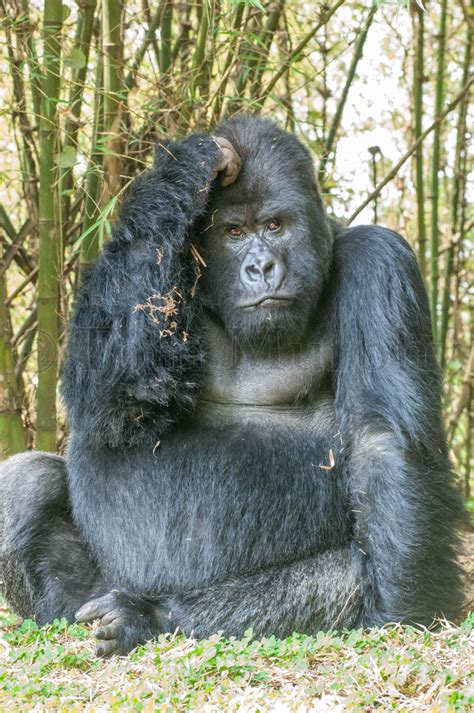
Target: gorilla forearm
[
  {"x": 132, "y": 354},
  {"x": 320, "y": 593},
  {"x": 404, "y": 506}
]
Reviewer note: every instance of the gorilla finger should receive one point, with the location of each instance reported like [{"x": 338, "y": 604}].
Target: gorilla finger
[
  {"x": 94, "y": 609},
  {"x": 111, "y": 631},
  {"x": 225, "y": 157},
  {"x": 231, "y": 172},
  {"x": 107, "y": 648},
  {"x": 223, "y": 144},
  {"x": 111, "y": 616}
]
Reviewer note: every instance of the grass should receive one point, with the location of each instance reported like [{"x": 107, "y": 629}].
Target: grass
[{"x": 395, "y": 668}]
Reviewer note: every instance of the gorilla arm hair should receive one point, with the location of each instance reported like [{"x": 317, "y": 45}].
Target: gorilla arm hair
[{"x": 118, "y": 369}]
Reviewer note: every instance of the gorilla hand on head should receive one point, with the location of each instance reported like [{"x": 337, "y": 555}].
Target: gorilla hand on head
[{"x": 228, "y": 162}]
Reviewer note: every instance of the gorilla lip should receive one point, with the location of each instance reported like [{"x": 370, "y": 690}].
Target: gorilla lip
[{"x": 267, "y": 301}]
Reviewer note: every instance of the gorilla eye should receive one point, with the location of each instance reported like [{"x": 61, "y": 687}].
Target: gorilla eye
[
  {"x": 235, "y": 231},
  {"x": 274, "y": 225}
]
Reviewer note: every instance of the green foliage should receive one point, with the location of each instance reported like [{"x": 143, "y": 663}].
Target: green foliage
[
  {"x": 67, "y": 158},
  {"x": 378, "y": 668},
  {"x": 75, "y": 59},
  {"x": 251, "y": 3}
]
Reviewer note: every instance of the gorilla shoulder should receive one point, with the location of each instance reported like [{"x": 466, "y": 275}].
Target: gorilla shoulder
[{"x": 373, "y": 251}]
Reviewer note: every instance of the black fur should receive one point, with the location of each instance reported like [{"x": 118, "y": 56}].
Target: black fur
[{"x": 275, "y": 467}]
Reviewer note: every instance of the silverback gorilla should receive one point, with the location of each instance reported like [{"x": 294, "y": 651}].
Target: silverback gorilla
[{"x": 254, "y": 403}]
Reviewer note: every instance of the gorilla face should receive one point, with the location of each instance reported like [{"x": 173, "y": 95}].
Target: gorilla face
[{"x": 265, "y": 239}]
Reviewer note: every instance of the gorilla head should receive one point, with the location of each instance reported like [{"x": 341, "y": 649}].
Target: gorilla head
[{"x": 266, "y": 239}]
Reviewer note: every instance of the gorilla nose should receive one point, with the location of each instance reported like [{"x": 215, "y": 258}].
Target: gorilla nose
[{"x": 262, "y": 270}]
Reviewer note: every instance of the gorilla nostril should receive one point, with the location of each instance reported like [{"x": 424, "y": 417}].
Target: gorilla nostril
[
  {"x": 253, "y": 271},
  {"x": 268, "y": 269}
]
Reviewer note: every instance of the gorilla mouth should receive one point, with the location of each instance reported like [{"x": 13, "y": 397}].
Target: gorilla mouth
[{"x": 266, "y": 300}]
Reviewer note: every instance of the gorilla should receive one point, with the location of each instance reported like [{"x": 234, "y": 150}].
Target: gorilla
[{"x": 254, "y": 402}]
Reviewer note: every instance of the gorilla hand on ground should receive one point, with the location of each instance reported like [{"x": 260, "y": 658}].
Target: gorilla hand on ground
[
  {"x": 126, "y": 621},
  {"x": 229, "y": 163}
]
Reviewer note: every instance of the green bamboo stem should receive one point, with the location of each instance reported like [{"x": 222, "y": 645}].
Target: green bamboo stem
[
  {"x": 12, "y": 438},
  {"x": 435, "y": 171},
  {"x": 212, "y": 54},
  {"x": 459, "y": 179},
  {"x": 166, "y": 25},
  {"x": 49, "y": 276},
  {"x": 27, "y": 154},
  {"x": 200, "y": 52},
  {"x": 232, "y": 51},
  {"x": 470, "y": 421},
  {"x": 418, "y": 78},
  {"x": 247, "y": 53},
  {"x": 85, "y": 25},
  {"x": 33, "y": 63},
  {"x": 112, "y": 48},
  {"x": 199, "y": 70},
  {"x": 90, "y": 243},
  {"x": 149, "y": 22},
  {"x": 261, "y": 59}
]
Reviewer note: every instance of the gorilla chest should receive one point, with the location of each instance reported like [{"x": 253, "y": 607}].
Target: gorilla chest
[{"x": 213, "y": 501}]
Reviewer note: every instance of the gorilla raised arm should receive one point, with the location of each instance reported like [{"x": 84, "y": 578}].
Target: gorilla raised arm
[{"x": 255, "y": 411}]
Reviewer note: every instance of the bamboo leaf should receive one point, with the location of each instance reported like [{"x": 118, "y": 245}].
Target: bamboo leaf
[
  {"x": 75, "y": 59},
  {"x": 252, "y": 3},
  {"x": 99, "y": 223},
  {"x": 67, "y": 158}
]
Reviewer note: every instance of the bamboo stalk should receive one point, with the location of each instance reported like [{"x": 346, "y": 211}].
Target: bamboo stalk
[
  {"x": 12, "y": 438},
  {"x": 85, "y": 25},
  {"x": 231, "y": 53},
  {"x": 112, "y": 48},
  {"x": 458, "y": 202},
  {"x": 49, "y": 275},
  {"x": 198, "y": 67},
  {"x": 90, "y": 243},
  {"x": 267, "y": 37},
  {"x": 418, "y": 79},
  {"x": 435, "y": 170},
  {"x": 28, "y": 154},
  {"x": 33, "y": 63},
  {"x": 200, "y": 51},
  {"x": 149, "y": 22},
  {"x": 257, "y": 49},
  {"x": 166, "y": 25},
  {"x": 470, "y": 422}
]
